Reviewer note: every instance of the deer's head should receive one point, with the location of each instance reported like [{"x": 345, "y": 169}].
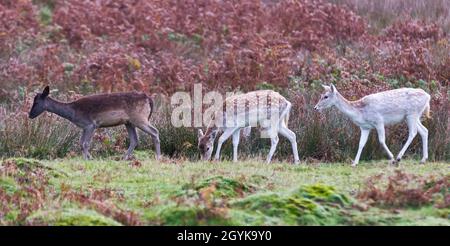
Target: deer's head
[
  {"x": 328, "y": 98},
  {"x": 205, "y": 144},
  {"x": 39, "y": 104}
]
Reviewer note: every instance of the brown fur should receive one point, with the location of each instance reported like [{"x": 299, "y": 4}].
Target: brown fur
[
  {"x": 114, "y": 109},
  {"x": 428, "y": 112},
  {"x": 358, "y": 104}
]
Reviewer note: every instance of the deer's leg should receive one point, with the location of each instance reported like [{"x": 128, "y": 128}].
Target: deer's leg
[
  {"x": 85, "y": 141},
  {"x": 273, "y": 144},
  {"x": 423, "y": 131},
  {"x": 412, "y": 126},
  {"x": 236, "y": 138},
  {"x": 362, "y": 142},
  {"x": 154, "y": 133},
  {"x": 292, "y": 138},
  {"x": 382, "y": 140},
  {"x": 225, "y": 135},
  {"x": 133, "y": 140}
]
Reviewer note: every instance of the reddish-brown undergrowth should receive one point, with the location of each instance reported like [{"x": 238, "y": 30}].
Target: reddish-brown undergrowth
[
  {"x": 83, "y": 47},
  {"x": 404, "y": 189}
]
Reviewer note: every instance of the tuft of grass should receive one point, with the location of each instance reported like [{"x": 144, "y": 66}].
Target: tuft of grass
[
  {"x": 45, "y": 15},
  {"x": 70, "y": 217},
  {"x": 176, "y": 215},
  {"x": 309, "y": 205},
  {"x": 222, "y": 186},
  {"x": 8, "y": 184},
  {"x": 45, "y": 137},
  {"x": 324, "y": 193}
]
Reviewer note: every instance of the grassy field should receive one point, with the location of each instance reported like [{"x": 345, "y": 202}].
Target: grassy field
[{"x": 146, "y": 192}]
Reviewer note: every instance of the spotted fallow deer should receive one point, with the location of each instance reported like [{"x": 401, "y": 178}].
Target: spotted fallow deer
[
  {"x": 132, "y": 109},
  {"x": 266, "y": 109},
  {"x": 380, "y": 109}
]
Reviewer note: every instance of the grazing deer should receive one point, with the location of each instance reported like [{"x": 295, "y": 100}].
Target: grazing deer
[
  {"x": 265, "y": 108},
  {"x": 131, "y": 109},
  {"x": 380, "y": 109}
]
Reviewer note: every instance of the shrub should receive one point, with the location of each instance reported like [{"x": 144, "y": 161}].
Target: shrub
[{"x": 404, "y": 189}]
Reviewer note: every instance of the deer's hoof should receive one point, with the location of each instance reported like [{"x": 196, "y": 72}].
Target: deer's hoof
[
  {"x": 393, "y": 162},
  {"x": 354, "y": 164},
  {"x": 422, "y": 162}
]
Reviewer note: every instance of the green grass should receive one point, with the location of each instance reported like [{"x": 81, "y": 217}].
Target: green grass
[{"x": 246, "y": 193}]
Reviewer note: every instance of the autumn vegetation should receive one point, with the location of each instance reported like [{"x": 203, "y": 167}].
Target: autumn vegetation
[{"x": 162, "y": 47}]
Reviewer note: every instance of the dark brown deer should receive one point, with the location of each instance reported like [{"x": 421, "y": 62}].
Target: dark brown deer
[{"x": 132, "y": 109}]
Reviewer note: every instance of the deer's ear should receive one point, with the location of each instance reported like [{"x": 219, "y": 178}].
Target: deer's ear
[
  {"x": 213, "y": 135},
  {"x": 326, "y": 87},
  {"x": 200, "y": 133},
  {"x": 45, "y": 92},
  {"x": 333, "y": 89}
]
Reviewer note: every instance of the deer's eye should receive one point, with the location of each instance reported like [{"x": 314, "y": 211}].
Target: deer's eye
[{"x": 325, "y": 97}]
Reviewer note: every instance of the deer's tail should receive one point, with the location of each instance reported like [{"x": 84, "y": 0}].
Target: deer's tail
[
  {"x": 246, "y": 131},
  {"x": 288, "y": 112},
  {"x": 427, "y": 110},
  {"x": 150, "y": 102},
  {"x": 286, "y": 119}
]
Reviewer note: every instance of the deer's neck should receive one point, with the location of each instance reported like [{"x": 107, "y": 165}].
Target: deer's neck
[
  {"x": 212, "y": 130},
  {"x": 64, "y": 110},
  {"x": 347, "y": 108}
]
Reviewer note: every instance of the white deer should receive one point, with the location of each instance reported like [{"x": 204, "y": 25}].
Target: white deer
[
  {"x": 380, "y": 109},
  {"x": 264, "y": 108}
]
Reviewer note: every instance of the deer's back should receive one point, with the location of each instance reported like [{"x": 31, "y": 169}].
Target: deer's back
[
  {"x": 394, "y": 105},
  {"x": 113, "y": 109},
  {"x": 254, "y": 106},
  {"x": 404, "y": 98}
]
